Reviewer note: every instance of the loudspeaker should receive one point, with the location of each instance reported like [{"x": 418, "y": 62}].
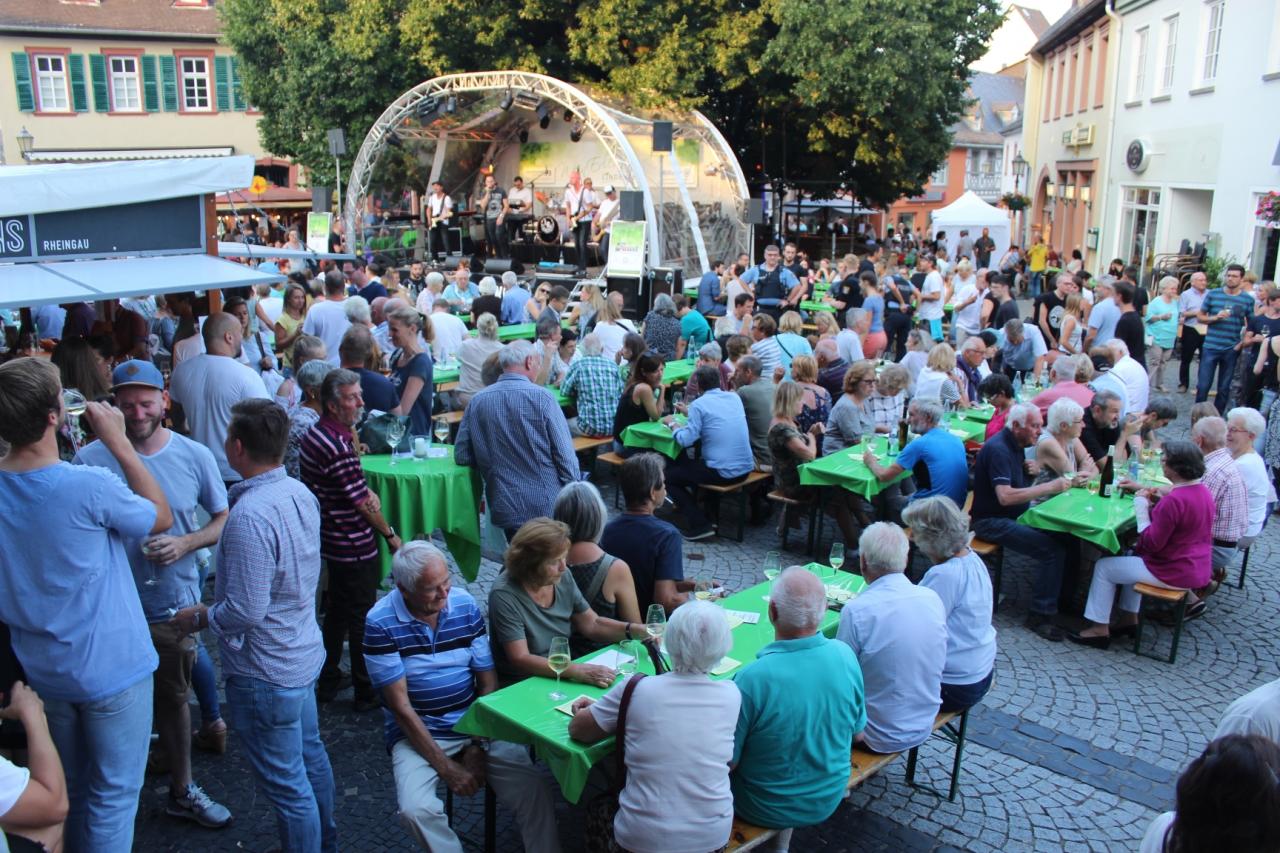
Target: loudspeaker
[
  {"x": 321, "y": 199},
  {"x": 668, "y": 280},
  {"x": 755, "y": 211},
  {"x": 631, "y": 206},
  {"x": 337, "y": 142},
  {"x": 634, "y": 305},
  {"x": 497, "y": 266},
  {"x": 662, "y": 135},
  {"x": 451, "y": 263}
]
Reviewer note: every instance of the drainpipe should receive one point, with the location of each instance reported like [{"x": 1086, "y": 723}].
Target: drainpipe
[{"x": 1098, "y": 213}]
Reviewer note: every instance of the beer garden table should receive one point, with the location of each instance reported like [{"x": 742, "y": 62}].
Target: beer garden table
[
  {"x": 423, "y": 495},
  {"x": 443, "y": 374},
  {"x": 653, "y": 435},
  {"x": 964, "y": 429},
  {"x": 845, "y": 469},
  {"x": 813, "y": 305},
  {"x": 678, "y": 371},
  {"x": 522, "y": 713},
  {"x": 1103, "y": 521}
]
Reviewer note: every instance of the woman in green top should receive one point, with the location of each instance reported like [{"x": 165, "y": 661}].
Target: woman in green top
[
  {"x": 536, "y": 600},
  {"x": 1162, "y": 326}
]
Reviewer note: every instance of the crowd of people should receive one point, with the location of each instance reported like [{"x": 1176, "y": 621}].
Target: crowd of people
[{"x": 241, "y": 433}]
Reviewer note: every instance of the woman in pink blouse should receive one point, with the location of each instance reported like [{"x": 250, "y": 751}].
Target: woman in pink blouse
[{"x": 1173, "y": 550}]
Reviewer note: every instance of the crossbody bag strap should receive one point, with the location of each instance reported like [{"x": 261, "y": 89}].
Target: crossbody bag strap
[{"x": 620, "y": 734}]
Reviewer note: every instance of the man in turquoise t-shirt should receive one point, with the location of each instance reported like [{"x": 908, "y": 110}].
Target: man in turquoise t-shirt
[
  {"x": 694, "y": 328},
  {"x": 802, "y": 705},
  {"x": 1225, "y": 312}
]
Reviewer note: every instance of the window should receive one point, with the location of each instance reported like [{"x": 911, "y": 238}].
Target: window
[
  {"x": 1168, "y": 49},
  {"x": 195, "y": 84},
  {"x": 1048, "y": 88},
  {"x": 1085, "y": 68},
  {"x": 1138, "y": 78},
  {"x": 1212, "y": 40},
  {"x": 1057, "y": 98},
  {"x": 939, "y": 177},
  {"x": 1071, "y": 81},
  {"x": 51, "y": 83},
  {"x": 126, "y": 88},
  {"x": 1100, "y": 96}
]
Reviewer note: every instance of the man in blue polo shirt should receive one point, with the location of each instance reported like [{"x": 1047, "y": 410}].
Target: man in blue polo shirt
[
  {"x": 936, "y": 459},
  {"x": 803, "y": 700},
  {"x": 427, "y": 650},
  {"x": 711, "y": 300}
]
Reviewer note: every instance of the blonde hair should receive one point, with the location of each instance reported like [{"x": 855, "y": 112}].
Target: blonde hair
[
  {"x": 786, "y": 399},
  {"x": 1072, "y": 305},
  {"x": 537, "y": 542},
  {"x": 804, "y": 369},
  {"x": 608, "y": 313},
  {"x": 791, "y": 322},
  {"x": 825, "y": 323},
  {"x": 942, "y": 358}
]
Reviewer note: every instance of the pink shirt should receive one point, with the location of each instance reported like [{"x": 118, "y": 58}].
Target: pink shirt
[
  {"x": 1177, "y": 544},
  {"x": 1082, "y": 394}
]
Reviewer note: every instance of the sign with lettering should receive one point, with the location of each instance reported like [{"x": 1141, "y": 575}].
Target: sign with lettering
[{"x": 169, "y": 226}]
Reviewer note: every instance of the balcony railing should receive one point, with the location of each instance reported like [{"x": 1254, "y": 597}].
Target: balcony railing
[{"x": 986, "y": 186}]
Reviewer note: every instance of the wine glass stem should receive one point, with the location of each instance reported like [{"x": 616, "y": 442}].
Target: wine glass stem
[{"x": 557, "y": 682}]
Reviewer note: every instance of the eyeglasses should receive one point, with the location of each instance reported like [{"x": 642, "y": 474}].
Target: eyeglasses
[{"x": 1239, "y": 429}]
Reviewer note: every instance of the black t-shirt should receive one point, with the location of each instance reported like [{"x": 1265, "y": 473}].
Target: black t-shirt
[
  {"x": 1097, "y": 439},
  {"x": 1131, "y": 330},
  {"x": 995, "y": 306},
  {"x": 1007, "y": 311},
  {"x": 849, "y": 291},
  {"x": 801, "y": 274},
  {"x": 1140, "y": 299},
  {"x": 983, "y": 247},
  {"x": 1049, "y": 305},
  {"x": 335, "y": 242},
  {"x": 1264, "y": 325},
  {"x": 866, "y": 265}
]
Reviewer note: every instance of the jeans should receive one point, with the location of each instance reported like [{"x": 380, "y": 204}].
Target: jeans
[
  {"x": 437, "y": 241},
  {"x": 495, "y": 238},
  {"x": 960, "y": 697},
  {"x": 1049, "y": 550},
  {"x": 684, "y": 475},
  {"x": 897, "y": 326},
  {"x": 1034, "y": 288},
  {"x": 103, "y": 746},
  {"x": 353, "y": 587},
  {"x": 204, "y": 682},
  {"x": 1192, "y": 343},
  {"x": 282, "y": 742},
  {"x": 1224, "y": 361}
]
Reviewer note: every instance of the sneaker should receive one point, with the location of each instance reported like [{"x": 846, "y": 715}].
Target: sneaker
[
  {"x": 703, "y": 533},
  {"x": 326, "y": 691},
  {"x": 195, "y": 805}
]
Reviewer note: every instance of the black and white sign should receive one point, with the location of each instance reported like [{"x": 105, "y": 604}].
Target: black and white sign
[{"x": 166, "y": 227}]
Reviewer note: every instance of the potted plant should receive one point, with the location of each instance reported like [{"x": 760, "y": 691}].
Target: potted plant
[
  {"x": 1015, "y": 202},
  {"x": 1269, "y": 209}
]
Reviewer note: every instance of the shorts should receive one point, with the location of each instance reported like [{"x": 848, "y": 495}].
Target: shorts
[{"x": 177, "y": 653}]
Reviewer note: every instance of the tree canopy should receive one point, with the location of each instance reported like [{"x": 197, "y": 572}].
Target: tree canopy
[{"x": 813, "y": 92}]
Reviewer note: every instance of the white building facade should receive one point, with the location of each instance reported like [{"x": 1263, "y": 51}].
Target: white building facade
[{"x": 1196, "y": 135}]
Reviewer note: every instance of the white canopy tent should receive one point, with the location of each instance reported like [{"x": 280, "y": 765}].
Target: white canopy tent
[
  {"x": 245, "y": 250},
  {"x": 973, "y": 214}
]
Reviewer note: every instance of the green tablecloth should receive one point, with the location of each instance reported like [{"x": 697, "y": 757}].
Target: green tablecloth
[
  {"x": 423, "y": 495},
  {"x": 653, "y": 435},
  {"x": 965, "y": 429},
  {"x": 1102, "y": 521},
  {"x": 678, "y": 371},
  {"x": 515, "y": 332},
  {"x": 441, "y": 375},
  {"x": 845, "y": 469},
  {"x": 522, "y": 713},
  {"x": 561, "y": 399},
  {"x": 981, "y": 414},
  {"x": 810, "y": 305}
]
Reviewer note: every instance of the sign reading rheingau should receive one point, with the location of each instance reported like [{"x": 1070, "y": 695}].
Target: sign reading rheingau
[{"x": 168, "y": 226}]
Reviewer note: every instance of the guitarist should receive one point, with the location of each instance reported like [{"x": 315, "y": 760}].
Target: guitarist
[
  {"x": 437, "y": 211},
  {"x": 579, "y": 205},
  {"x": 605, "y": 215}
]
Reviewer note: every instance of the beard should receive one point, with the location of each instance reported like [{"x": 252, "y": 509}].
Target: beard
[{"x": 142, "y": 430}]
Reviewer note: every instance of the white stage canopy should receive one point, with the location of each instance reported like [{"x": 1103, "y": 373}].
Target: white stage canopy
[{"x": 973, "y": 214}]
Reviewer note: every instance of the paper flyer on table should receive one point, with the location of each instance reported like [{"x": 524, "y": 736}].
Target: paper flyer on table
[
  {"x": 611, "y": 658},
  {"x": 567, "y": 707},
  {"x": 739, "y": 617}
]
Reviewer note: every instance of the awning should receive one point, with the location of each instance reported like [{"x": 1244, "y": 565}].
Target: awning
[
  {"x": 244, "y": 250},
  {"x": 90, "y": 155},
  {"x": 45, "y": 188},
  {"x": 274, "y": 198},
  {"x": 92, "y": 281}
]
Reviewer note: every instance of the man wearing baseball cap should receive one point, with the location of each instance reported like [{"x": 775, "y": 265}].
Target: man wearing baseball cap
[
  {"x": 605, "y": 214},
  {"x": 164, "y": 565}
]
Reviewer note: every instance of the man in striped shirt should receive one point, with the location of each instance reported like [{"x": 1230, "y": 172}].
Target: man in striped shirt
[
  {"x": 1230, "y": 495},
  {"x": 350, "y": 515},
  {"x": 428, "y": 652}
]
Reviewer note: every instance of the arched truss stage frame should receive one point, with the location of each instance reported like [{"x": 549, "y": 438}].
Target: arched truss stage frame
[{"x": 603, "y": 122}]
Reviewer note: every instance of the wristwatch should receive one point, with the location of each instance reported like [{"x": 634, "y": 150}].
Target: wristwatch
[{"x": 628, "y": 630}]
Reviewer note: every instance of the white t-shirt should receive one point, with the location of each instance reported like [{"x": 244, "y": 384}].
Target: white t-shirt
[
  {"x": 732, "y": 289},
  {"x": 849, "y": 346},
  {"x": 965, "y": 589},
  {"x": 450, "y": 332},
  {"x": 931, "y": 310},
  {"x": 1259, "y": 488},
  {"x": 525, "y": 195},
  {"x": 1153, "y": 841},
  {"x": 188, "y": 348},
  {"x": 675, "y": 809},
  {"x": 1255, "y": 713},
  {"x": 206, "y": 387},
  {"x": 611, "y": 336},
  {"x": 14, "y": 779},
  {"x": 605, "y": 212},
  {"x": 1137, "y": 385},
  {"x": 328, "y": 321},
  {"x": 969, "y": 317}
]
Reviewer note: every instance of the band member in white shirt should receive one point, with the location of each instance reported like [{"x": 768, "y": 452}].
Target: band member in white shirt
[
  {"x": 606, "y": 213},
  {"x": 579, "y": 204},
  {"x": 438, "y": 215},
  {"x": 520, "y": 203}
]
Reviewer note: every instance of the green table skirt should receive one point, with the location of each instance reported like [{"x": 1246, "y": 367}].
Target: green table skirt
[
  {"x": 652, "y": 435},
  {"x": 522, "y": 712},
  {"x": 982, "y": 414},
  {"x": 441, "y": 375},
  {"x": 424, "y": 495},
  {"x": 515, "y": 332},
  {"x": 1103, "y": 521},
  {"x": 845, "y": 469},
  {"x": 810, "y": 305},
  {"x": 965, "y": 429},
  {"x": 678, "y": 371}
]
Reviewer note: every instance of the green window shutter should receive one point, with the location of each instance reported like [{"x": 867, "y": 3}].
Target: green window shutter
[
  {"x": 222, "y": 77},
  {"x": 150, "y": 85},
  {"x": 79, "y": 93},
  {"x": 169, "y": 83},
  {"x": 238, "y": 101},
  {"x": 98, "y": 73},
  {"x": 22, "y": 82}
]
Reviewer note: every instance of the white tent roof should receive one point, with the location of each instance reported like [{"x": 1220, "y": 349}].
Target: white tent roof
[
  {"x": 969, "y": 210},
  {"x": 42, "y": 189},
  {"x": 245, "y": 250},
  {"x": 90, "y": 281}
]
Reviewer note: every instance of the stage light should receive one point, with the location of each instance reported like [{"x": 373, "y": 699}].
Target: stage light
[
  {"x": 451, "y": 105},
  {"x": 427, "y": 108},
  {"x": 393, "y": 139},
  {"x": 568, "y": 114},
  {"x": 507, "y": 100},
  {"x": 575, "y": 132},
  {"x": 544, "y": 122},
  {"x": 544, "y": 115},
  {"x": 524, "y": 134}
]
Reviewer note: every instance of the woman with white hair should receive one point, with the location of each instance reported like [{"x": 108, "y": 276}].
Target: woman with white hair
[
  {"x": 960, "y": 579},
  {"x": 1162, "y": 325},
  {"x": 434, "y": 288},
  {"x": 605, "y": 581},
  {"x": 472, "y": 355},
  {"x": 683, "y": 713},
  {"x": 1059, "y": 449},
  {"x": 1244, "y": 426},
  {"x": 357, "y": 310},
  {"x": 662, "y": 327},
  {"x": 309, "y": 378}
]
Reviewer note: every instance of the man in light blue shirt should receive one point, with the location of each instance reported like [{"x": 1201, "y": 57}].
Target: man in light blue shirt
[
  {"x": 719, "y": 421},
  {"x": 49, "y": 320},
  {"x": 1104, "y": 314},
  {"x": 710, "y": 300},
  {"x": 802, "y": 699},
  {"x": 899, "y": 632},
  {"x": 515, "y": 302},
  {"x": 773, "y": 282},
  {"x": 936, "y": 458},
  {"x": 68, "y": 597}
]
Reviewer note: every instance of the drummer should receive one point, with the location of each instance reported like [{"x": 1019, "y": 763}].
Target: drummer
[{"x": 520, "y": 202}]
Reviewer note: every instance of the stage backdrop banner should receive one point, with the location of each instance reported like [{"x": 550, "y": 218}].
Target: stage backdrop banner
[
  {"x": 626, "y": 249},
  {"x": 318, "y": 227}
]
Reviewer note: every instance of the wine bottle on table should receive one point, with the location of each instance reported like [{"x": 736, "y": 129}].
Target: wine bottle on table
[
  {"x": 903, "y": 436},
  {"x": 1109, "y": 472}
]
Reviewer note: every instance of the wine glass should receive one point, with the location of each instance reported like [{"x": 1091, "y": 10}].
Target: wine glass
[
  {"x": 627, "y": 663},
  {"x": 147, "y": 551},
  {"x": 395, "y": 433},
  {"x": 702, "y": 587},
  {"x": 655, "y": 622},
  {"x": 75, "y": 405},
  {"x": 836, "y": 559},
  {"x": 558, "y": 660},
  {"x": 772, "y": 566},
  {"x": 441, "y": 430},
  {"x": 677, "y": 399}
]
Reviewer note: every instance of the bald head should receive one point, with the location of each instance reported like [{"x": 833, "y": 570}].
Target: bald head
[
  {"x": 222, "y": 334},
  {"x": 796, "y": 603},
  {"x": 826, "y": 351},
  {"x": 378, "y": 307}
]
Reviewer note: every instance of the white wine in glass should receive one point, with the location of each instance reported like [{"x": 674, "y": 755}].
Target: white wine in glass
[
  {"x": 836, "y": 559},
  {"x": 395, "y": 433},
  {"x": 772, "y": 566},
  {"x": 558, "y": 660},
  {"x": 441, "y": 430},
  {"x": 655, "y": 622}
]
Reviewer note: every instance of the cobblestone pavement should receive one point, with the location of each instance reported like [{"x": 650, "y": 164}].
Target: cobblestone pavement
[{"x": 1073, "y": 749}]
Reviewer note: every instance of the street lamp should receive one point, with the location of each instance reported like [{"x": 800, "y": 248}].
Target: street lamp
[
  {"x": 1069, "y": 192},
  {"x": 1019, "y": 170},
  {"x": 1086, "y": 196},
  {"x": 25, "y": 143},
  {"x": 1050, "y": 189}
]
